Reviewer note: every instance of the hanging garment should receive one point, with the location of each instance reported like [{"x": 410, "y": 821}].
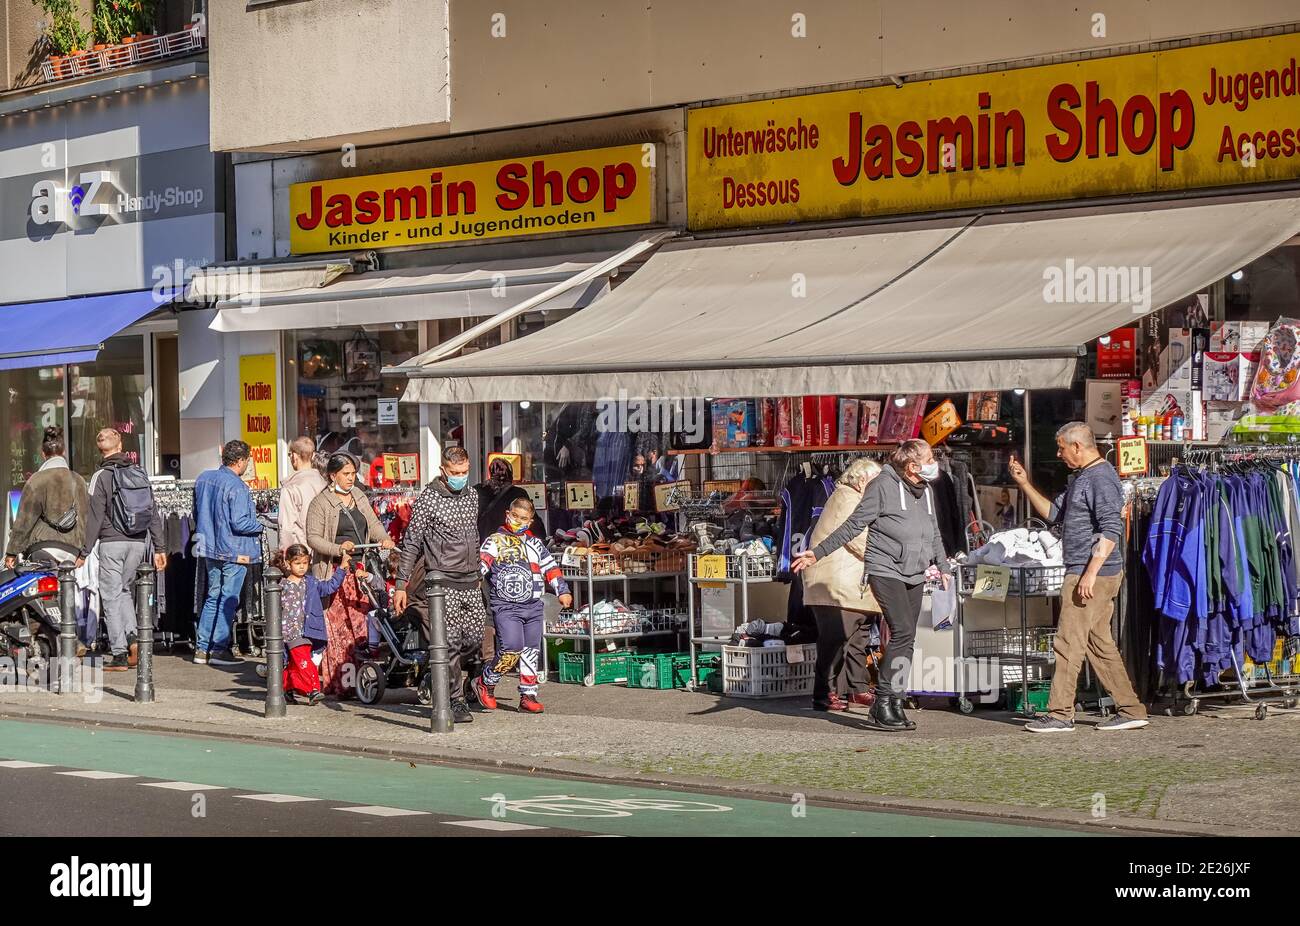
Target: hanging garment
[{"x": 802, "y": 501}]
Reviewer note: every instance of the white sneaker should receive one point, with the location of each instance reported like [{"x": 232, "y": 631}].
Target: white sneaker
[{"x": 1120, "y": 722}]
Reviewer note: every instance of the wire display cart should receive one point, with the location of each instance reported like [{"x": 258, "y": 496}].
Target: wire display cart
[
  {"x": 585, "y": 623},
  {"x": 740, "y": 570},
  {"x": 1029, "y": 647}
]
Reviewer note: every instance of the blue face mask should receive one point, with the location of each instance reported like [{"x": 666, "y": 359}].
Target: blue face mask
[{"x": 458, "y": 482}]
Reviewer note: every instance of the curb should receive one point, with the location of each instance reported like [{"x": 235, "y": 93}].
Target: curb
[{"x": 1005, "y": 813}]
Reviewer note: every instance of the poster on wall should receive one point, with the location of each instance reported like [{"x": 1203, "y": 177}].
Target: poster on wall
[{"x": 257, "y": 418}]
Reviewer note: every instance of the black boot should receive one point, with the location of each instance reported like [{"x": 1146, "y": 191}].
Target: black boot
[
  {"x": 460, "y": 712},
  {"x": 896, "y": 707},
  {"x": 882, "y": 713}
]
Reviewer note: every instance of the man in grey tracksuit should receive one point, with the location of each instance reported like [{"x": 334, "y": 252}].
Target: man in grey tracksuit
[{"x": 903, "y": 542}]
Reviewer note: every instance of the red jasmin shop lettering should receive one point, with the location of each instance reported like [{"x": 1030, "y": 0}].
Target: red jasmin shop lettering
[
  {"x": 1136, "y": 123},
  {"x": 571, "y": 191}
]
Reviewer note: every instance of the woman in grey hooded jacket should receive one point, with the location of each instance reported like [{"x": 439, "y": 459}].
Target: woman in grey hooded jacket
[{"x": 904, "y": 541}]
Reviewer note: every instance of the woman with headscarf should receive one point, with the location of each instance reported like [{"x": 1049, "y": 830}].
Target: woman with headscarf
[{"x": 339, "y": 520}]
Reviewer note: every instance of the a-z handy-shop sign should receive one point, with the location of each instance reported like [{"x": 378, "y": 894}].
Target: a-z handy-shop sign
[
  {"x": 1197, "y": 117},
  {"x": 546, "y": 194}
]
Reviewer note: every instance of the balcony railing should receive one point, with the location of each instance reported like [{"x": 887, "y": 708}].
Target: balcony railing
[{"x": 115, "y": 57}]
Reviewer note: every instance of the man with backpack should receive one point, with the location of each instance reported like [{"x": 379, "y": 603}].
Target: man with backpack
[{"x": 123, "y": 521}]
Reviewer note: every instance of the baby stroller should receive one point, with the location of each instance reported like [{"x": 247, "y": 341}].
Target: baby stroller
[{"x": 398, "y": 650}]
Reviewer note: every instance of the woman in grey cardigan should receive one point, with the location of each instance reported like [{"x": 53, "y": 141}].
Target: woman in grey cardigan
[
  {"x": 341, "y": 518},
  {"x": 904, "y": 541}
]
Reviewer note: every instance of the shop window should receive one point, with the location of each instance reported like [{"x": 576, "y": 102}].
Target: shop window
[
  {"x": 1265, "y": 289},
  {"x": 345, "y": 402},
  {"x": 35, "y": 403},
  {"x": 109, "y": 392}
]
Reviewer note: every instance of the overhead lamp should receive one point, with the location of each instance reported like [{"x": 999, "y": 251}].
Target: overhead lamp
[
  {"x": 1239, "y": 275},
  {"x": 525, "y": 405},
  {"x": 1104, "y": 340},
  {"x": 1018, "y": 391},
  {"x": 900, "y": 401}
]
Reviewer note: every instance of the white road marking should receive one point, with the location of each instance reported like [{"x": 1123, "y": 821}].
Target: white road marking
[
  {"x": 19, "y": 763},
  {"x": 276, "y": 798},
  {"x": 375, "y": 811},
  {"x": 500, "y": 826},
  {"x": 181, "y": 786},
  {"x": 97, "y": 776}
]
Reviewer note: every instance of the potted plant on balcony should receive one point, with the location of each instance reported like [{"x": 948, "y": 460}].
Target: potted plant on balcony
[
  {"x": 64, "y": 34},
  {"x": 112, "y": 22},
  {"x": 141, "y": 16}
]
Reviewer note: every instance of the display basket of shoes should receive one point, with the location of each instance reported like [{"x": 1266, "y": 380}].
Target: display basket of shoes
[
  {"x": 576, "y": 561},
  {"x": 1032, "y": 581},
  {"x": 1010, "y": 643},
  {"x": 768, "y": 671},
  {"x": 749, "y": 566}
]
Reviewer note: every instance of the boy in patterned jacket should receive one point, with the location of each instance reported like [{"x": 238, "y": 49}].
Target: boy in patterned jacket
[{"x": 518, "y": 568}]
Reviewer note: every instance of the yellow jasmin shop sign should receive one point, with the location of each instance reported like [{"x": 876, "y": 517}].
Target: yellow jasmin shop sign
[
  {"x": 1213, "y": 115},
  {"x": 257, "y": 417},
  {"x": 546, "y": 194}
]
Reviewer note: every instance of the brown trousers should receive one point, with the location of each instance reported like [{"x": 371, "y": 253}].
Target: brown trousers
[{"x": 1084, "y": 633}]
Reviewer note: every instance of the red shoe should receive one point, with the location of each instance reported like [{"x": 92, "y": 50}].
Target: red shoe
[
  {"x": 483, "y": 694},
  {"x": 833, "y": 703},
  {"x": 528, "y": 704},
  {"x": 865, "y": 698}
]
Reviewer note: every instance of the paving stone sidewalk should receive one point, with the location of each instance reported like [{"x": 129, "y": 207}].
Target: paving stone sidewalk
[{"x": 1221, "y": 769}]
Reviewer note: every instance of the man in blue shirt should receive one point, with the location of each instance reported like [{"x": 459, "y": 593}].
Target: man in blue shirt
[
  {"x": 1089, "y": 514},
  {"x": 229, "y": 540}
]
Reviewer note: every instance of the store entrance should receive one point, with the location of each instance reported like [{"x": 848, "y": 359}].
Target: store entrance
[{"x": 167, "y": 406}]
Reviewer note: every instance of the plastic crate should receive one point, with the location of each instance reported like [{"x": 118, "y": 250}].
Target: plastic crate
[
  {"x": 658, "y": 670},
  {"x": 1039, "y": 693},
  {"x": 766, "y": 672},
  {"x": 708, "y": 667},
  {"x": 610, "y": 667}
]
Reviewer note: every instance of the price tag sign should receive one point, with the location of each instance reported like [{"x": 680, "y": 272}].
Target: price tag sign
[
  {"x": 940, "y": 423},
  {"x": 537, "y": 492},
  {"x": 669, "y": 495},
  {"x": 794, "y": 654},
  {"x": 402, "y": 467},
  {"x": 711, "y": 566},
  {"x": 631, "y": 496},
  {"x": 724, "y": 486},
  {"x": 991, "y": 583},
  {"x": 579, "y": 496},
  {"x": 1132, "y": 452}
]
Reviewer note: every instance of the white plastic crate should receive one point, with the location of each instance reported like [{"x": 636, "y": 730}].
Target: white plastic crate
[{"x": 766, "y": 672}]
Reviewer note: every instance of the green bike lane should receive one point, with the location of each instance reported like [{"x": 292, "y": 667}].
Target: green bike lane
[{"x": 469, "y": 793}]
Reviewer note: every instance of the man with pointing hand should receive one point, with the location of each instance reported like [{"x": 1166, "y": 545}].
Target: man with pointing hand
[{"x": 1089, "y": 515}]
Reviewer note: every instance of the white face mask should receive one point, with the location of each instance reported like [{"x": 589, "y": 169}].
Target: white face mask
[{"x": 930, "y": 471}]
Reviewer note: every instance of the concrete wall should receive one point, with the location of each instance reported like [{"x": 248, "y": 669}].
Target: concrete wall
[
  {"x": 315, "y": 74},
  {"x": 21, "y": 49},
  {"x": 563, "y": 61}
]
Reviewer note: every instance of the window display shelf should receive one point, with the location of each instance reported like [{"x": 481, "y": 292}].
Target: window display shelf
[{"x": 835, "y": 448}]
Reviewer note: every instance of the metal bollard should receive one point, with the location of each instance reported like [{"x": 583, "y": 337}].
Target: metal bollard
[
  {"x": 274, "y": 642},
  {"x": 67, "y": 629},
  {"x": 146, "y": 602},
  {"x": 440, "y": 719}
]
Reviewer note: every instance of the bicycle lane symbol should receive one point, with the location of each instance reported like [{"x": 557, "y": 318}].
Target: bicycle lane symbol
[{"x": 568, "y": 805}]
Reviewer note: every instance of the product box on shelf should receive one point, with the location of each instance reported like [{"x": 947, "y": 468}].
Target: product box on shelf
[
  {"x": 902, "y": 422},
  {"x": 1176, "y": 360},
  {"x": 869, "y": 421},
  {"x": 1225, "y": 337},
  {"x": 812, "y": 421},
  {"x": 1227, "y": 376},
  {"x": 734, "y": 423},
  {"x": 1253, "y": 335},
  {"x": 848, "y": 429},
  {"x": 1221, "y": 417},
  {"x": 1159, "y": 404},
  {"x": 1105, "y": 406},
  {"x": 784, "y": 436},
  {"x": 766, "y": 413},
  {"x": 828, "y": 416},
  {"x": 796, "y": 421}
]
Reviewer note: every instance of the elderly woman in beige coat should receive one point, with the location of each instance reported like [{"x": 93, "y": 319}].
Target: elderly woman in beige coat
[{"x": 842, "y": 603}]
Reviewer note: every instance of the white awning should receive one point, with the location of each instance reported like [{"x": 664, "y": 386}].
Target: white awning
[
  {"x": 233, "y": 281},
  {"x": 931, "y": 307},
  {"x": 460, "y": 290}
]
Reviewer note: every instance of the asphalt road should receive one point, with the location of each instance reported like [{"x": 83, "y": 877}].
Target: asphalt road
[{"x": 65, "y": 780}]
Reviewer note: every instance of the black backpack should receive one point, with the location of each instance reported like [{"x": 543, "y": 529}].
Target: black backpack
[{"x": 131, "y": 508}]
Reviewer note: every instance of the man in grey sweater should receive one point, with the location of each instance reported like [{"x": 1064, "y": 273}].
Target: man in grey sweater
[
  {"x": 903, "y": 543},
  {"x": 1089, "y": 513}
]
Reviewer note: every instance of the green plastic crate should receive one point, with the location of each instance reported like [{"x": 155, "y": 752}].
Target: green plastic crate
[
  {"x": 707, "y": 666},
  {"x": 610, "y": 667},
  {"x": 1039, "y": 692},
  {"x": 658, "y": 670}
]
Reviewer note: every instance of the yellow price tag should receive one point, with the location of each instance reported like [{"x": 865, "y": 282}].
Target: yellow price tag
[
  {"x": 711, "y": 566},
  {"x": 1132, "y": 453},
  {"x": 631, "y": 496},
  {"x": 991, "y": 583},
  {"x": 579, "y": 496},
  {"x": 669, "y": 495},
  {"x": 402, "y": 467}
]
